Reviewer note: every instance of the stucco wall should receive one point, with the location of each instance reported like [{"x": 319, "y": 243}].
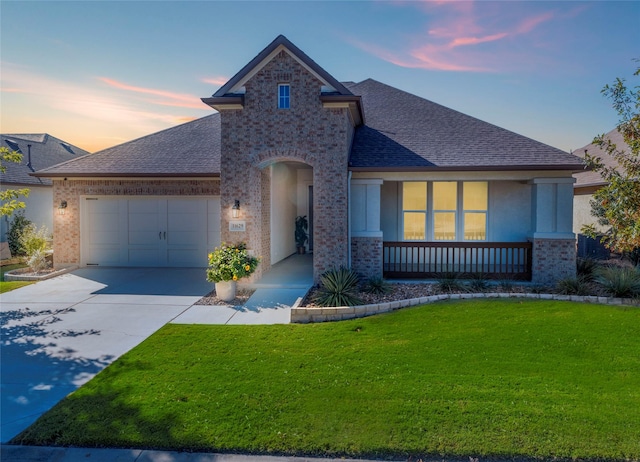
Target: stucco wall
[
  {"x": 582, "y": 213},
  {"x": 38, "y": 208},
  {"x": 260, "y": 134}
]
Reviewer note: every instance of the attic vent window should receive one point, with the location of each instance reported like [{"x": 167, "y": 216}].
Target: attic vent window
[
  {"x": 13, "y": 145},
  {"x": 68, "y": 148},
  {"x": 283, "y": 96}
]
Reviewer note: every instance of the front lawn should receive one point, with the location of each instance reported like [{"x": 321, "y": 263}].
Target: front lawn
[
  {"x": 6, "y": 286},
  {"x": 504, "y": 378}
]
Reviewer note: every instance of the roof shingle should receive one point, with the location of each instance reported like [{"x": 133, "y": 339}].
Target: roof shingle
[
  {"x": 191, "y": 149},
  {"x": 406, "y": 132},
  {"x": 46, "y": 151}
]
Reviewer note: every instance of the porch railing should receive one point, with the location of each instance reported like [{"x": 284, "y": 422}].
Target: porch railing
[{"x": 494, "y": 260}]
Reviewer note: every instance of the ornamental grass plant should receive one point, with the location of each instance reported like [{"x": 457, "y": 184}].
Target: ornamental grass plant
[{"x": 231, "y": 262}]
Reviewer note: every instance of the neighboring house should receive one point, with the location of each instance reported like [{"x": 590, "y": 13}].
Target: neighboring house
[
  {"x": 393, "y": 184},
  {"x": 588, "y": 182},
  {"x": 38, "y": 151}
]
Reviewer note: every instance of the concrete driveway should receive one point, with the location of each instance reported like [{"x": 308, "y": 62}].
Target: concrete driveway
[{"x": 57, "y": 334}]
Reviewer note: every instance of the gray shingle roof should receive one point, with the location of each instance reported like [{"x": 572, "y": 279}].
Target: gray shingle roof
[
  {"x": 406, "y": 132},
  {"x": 191, "y": 149},
  {"x": 46, "y": 151},
  {"x": 590, "y": 178}
]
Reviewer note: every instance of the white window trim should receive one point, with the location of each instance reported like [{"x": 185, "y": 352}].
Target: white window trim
[
  {"x": 288, "y": 97},
  {"x": 429, "y": 215}
]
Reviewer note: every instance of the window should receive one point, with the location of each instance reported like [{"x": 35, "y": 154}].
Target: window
[
  {"x": 284, "y": 98},
  {"x": 475, "y": 200},
  {"x": 444, "y": 210},
  {"x": 445, "y": 198},
  {"x": 414, "y": 210}
]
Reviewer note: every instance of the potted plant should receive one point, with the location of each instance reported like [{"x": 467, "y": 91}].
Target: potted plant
[
  {"x": 227, "y": 264},
  {"x": 302, "y": 225}
]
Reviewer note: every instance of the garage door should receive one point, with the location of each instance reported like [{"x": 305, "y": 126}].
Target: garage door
[{"x": 149, "y": 231}]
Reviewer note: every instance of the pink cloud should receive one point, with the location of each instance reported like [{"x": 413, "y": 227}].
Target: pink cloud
[
  {"x": 219, "y": 81},
  {"x": 466, "y": 36},
  {"x": 174, "y": 99}
]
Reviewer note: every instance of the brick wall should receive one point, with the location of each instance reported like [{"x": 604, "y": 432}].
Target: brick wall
[
  {"x": 553, "y": 259},
  {"x": 66, "y": 228},
  {"x": 366, "y": 256},
  {"x": 261, "y": 134}
]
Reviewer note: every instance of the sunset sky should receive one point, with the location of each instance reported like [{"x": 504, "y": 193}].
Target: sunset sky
[{"x": 99, "y": 73}]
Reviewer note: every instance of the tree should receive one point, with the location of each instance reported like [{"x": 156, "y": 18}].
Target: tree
[
  {"x": 9, "y": 198},
  {"x": 617, "y": 205}
]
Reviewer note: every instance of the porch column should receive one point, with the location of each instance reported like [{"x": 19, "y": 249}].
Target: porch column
[
  {"x": 366, "y": 235},
  {"x": 554, "y": 243}
]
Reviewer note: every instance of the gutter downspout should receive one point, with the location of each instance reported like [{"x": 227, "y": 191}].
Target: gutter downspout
[
  {"x": 349, "y": 220},
  {"x": 29, "y": 158}
]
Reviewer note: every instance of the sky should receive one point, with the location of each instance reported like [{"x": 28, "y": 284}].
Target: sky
[{"x": 100, "y": 73}]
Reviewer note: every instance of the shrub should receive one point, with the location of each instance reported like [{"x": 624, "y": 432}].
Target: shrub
[
  {"x": 507, "y": 285},
  {"x": 478, "y": 283},
  {"x": 573, "y": 286},
  {"x": 619, "y": 282},
  {"x": 450, "y": 283},
  {"x": 17, "y": 227},
  {"x": 586, "y": 268},
  {"x": 37, "y": 260},
  {"x": 377, "y": 286},
  {"x": 338, "y": 287},
  {"x": 230, "y": 263},
  {"x": 35, "y": 243}
]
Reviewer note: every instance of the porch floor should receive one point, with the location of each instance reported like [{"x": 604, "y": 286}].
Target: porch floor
[{"x": 294, "y": 272}]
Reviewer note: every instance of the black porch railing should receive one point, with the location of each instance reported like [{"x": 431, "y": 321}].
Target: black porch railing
[{"x": 494, "y": 260}]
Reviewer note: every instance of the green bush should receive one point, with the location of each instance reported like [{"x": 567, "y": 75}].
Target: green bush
[
  {"x": 36, "y": 243},
  {"x": 507, "y": 285},
  {"x": 230, "y": 263},
  {"x": 16, "y": 228},
  {"x": 449, "y": 283},
  {"x": 338, "y": 287},
  {"x": 478, "y": 283},
  {"x": 619, "y": 282},
  {"x": 377, "y": 286},
  {"x": 586, "y": 268},
  {"x": 573, "y": 286}
]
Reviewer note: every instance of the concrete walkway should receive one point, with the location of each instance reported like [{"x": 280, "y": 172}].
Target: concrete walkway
[
  {"x": 278, "y": 290},
  {"x": 57, "y": 334}
]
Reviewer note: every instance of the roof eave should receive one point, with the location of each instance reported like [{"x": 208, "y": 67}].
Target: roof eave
[
  {"x": 352, "y": 102},
  {"x": 221, "y": 103},
  {"x": 467, "y": 168},
  {"x": 124, "y": 175}
]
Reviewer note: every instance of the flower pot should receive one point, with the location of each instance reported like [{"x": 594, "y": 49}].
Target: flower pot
[
  {"x": 301, "y": 250},
  {"x": 226, "y": 290}
]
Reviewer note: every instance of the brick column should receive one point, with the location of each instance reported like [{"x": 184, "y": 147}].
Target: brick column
[{"x": 553, "y": 259}]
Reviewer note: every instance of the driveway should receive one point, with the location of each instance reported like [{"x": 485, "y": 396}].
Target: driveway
[{"x": 57, "y": 334}]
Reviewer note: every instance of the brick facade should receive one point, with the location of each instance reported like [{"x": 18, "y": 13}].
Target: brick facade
[
  {"x": 366, "y": 256},
  {"x": 261, "y": 134},
  {"x": 553, "y": 259},
  {"x": 66, "y": 228}
]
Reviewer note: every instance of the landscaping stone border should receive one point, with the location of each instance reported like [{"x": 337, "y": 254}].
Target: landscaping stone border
[
  {"x": 304, "y": 315},
  {"x": 16, "y": 275}
]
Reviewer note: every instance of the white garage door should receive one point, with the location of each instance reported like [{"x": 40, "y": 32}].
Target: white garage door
[{"x": 149, "y": 231}]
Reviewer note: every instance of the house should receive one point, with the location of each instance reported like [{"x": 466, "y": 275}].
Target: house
[
  {"x": 588, "y": 182},
  {"x": 38, "y": 151},
  {"x": 393, "y": 184}
]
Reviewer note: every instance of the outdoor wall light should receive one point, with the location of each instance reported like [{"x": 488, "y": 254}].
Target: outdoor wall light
[
  {"x": 235, "y": 210},
  {"x": 62, "y": 207}
]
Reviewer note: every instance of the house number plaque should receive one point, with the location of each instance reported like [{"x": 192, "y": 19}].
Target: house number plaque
[{"x": 237, "y": 226}]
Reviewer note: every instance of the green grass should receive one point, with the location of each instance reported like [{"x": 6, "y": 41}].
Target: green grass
[
  {"x": 503, "y": 378},
  {"x": 6, "y": 286}
]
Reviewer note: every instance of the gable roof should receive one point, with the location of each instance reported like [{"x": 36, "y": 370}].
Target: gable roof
[
  {"x": 231, "y": 94},
  {"x": 404, "y": 132},
  {"x": 46, "y": 150},
  {"x": 191, "y": 149},
  {"x": 593, "y": 179},
  {"x": 257, "y": 63}
]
